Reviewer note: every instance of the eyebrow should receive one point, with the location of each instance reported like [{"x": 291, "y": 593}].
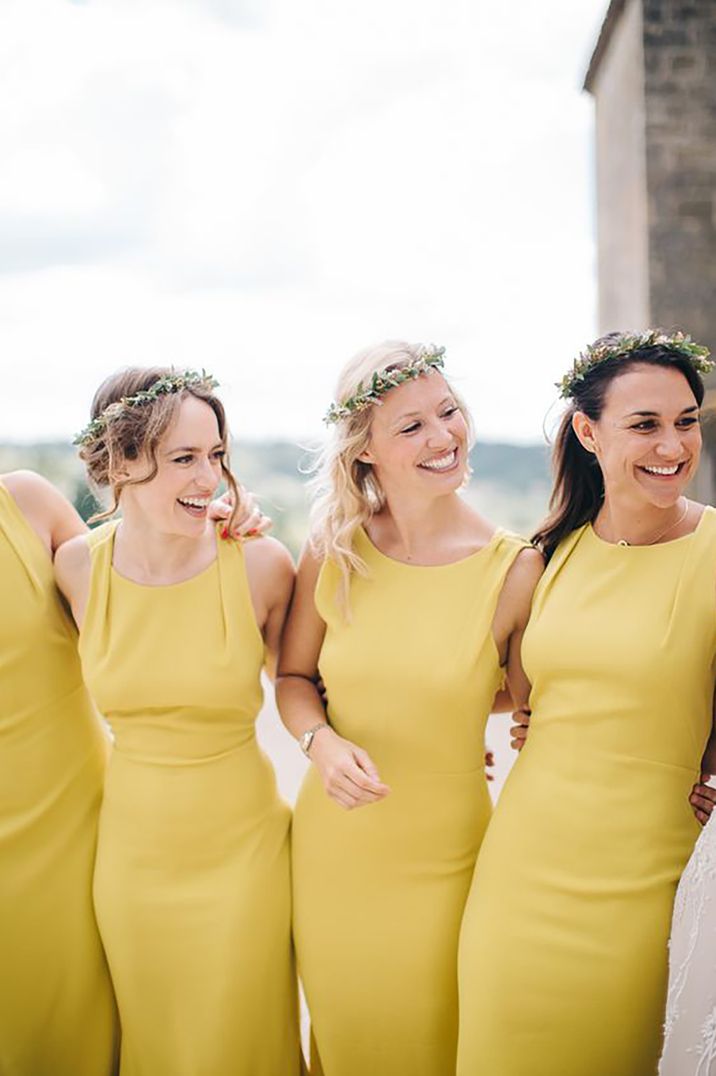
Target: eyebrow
[
  {"x": 655, "y": 414},
  {"x": 416, "y": 414},
  {"x": 191, "y": 448}
]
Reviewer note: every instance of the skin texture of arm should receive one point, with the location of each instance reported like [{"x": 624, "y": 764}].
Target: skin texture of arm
[
  {"x": 271, "y": 576},
  {"x": 511, "y": 616},
  {"x": 348, "y": 774},
  {"x": 48, "y": 512}
]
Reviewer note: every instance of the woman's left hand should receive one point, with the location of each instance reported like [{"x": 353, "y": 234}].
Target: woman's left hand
[
  {"x": 703, "y": 798},
  {"x": 518, "y": 732},
  {"x": 250, "y": 522}
]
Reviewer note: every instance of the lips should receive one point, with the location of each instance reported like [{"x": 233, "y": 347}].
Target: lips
[
  {"x": 440, "y": 464},
  {"x": 663, "y": 472},
  {"x": 194, "y": 506}
]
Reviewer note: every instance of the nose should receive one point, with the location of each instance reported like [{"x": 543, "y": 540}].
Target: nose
[
  {"x": 439, "y": 436},
  {"x": 206, "y": 472},
  {"x": 670, "y": 446}
]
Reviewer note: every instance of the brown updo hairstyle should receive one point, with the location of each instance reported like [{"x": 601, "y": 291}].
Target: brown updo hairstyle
[
  {"x": 134, "y": 432},
  {"x": 578, "y": 484}
]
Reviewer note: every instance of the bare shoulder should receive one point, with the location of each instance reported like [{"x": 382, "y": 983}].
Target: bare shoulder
[
  {"x": 47, "y": 510},
  {"x": 519, "y": 587},
  {"x": 266, "y": 554},
  {"x": 269, "y": 566},
  {"x": 527, "y": 568},
  {"x": 34, "y": 495},
  {"x": 310, "y": 562}
]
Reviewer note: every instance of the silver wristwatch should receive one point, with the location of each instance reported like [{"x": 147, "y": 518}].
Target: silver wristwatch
[{"x": 307, "y": 738}]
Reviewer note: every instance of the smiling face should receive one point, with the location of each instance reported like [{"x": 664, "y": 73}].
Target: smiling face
[
  {"x": 418, "y": 439},
  {"x": 189, "y": 456},
  {"x": 648, "y": 437}
]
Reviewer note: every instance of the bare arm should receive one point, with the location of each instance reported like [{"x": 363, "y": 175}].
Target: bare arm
[
  {"x": 511, "y": 617},
  {"x": 347, "y": 772},
  {"x": 48, "y": 512},
  {"x": 271, "y": 578},
  {"x": 72, "y": 574}
]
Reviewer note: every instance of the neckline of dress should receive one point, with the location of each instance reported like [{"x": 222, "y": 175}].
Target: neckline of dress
[
  {"x": 159, "y": 586},
  {"x": 498, "y": 533},
  {"x": 653, "y": 545}
]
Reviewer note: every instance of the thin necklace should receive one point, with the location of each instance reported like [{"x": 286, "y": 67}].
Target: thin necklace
[{"x": 625, "y": 544}]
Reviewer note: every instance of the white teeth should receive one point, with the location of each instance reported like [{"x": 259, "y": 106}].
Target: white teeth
[
  {"x": 662, "y": 470},
  {"x": 193, "y": 502},
  {"x": 441, "y": 464}
]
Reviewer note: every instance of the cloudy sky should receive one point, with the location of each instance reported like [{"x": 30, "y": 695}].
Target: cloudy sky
[{"x": 261, "y": 187}]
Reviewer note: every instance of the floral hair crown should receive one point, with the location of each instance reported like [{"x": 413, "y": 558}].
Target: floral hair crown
[
  {"x": 383, "y": 381},
  {"x": 163, "y": 386},
  {"x": 625, "y": 344}
]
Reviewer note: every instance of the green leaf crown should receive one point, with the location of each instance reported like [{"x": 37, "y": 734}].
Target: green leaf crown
[
  {"x": 383, "y": 381},
  {"x": 623, "y": 345},
  {"x": 164, "y": 386}
]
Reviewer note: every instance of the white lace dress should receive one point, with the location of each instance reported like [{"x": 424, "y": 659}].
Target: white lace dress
[{"x": 690, "y": 1043}]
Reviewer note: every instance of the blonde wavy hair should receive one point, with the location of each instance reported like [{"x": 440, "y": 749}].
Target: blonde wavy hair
[{"x": 345, "y": 490}]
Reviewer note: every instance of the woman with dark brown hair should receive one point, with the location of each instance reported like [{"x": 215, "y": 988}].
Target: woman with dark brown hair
[
  {"x": 563, "y": 952},
  {"x": 191, "y": 884}
]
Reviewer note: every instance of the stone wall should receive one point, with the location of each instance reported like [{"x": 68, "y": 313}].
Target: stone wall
[
  {"x": 653, "y": 76},
  {"x": 622, "y": 220}
]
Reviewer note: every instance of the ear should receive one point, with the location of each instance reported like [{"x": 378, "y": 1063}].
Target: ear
[
  {"x": 366, "y": 457},
  {"x": 584, "y": 430}
]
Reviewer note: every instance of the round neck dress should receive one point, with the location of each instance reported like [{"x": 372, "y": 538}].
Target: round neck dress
[
  {"x": 192, "y": 885},
  {"x": 57, "y": 1013},
  {"x": 563, "y": 954},
  {"x": 379, "y": 891}
]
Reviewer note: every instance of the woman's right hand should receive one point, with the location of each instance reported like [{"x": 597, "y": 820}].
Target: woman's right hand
[{"x": 347, "y": 771}]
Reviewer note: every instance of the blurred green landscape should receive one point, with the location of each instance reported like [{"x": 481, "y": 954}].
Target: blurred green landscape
[{"x": 510, "y": 483}]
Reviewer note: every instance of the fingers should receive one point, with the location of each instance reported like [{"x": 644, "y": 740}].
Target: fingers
[
  {"x": 489, "y": 762},
  {"x": 347, "y": 782},
  {"x": 702, "y": 799},
  {"x": 368, "y": 767}
]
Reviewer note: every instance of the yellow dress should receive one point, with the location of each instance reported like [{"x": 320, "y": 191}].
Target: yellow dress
[
  {"x": 563, "y": 953},
  {"x": 192, "y": 885},
  {"x": 57, "y": 1015},
  {"x": 379, "y": 891}
]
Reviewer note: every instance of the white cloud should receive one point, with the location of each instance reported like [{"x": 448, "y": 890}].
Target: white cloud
[{"x": 262, "y": 188}]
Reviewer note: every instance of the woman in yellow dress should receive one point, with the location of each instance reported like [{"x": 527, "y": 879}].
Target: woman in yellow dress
[
  {"x": 57, "y": 1014},
  {"x": 192, "y": 883},
  {"x": 409, "y": 605},
  {"x": 563, "y": 952}
]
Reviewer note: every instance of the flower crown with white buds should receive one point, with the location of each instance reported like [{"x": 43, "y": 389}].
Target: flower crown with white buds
[
  {"x": 383, "y": 381},
  {"x": 624, "y": 345},
  {"x": 163, "y": 386}
]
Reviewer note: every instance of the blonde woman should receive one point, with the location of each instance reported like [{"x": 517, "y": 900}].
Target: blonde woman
[
  {"x": 409, "y": 605},
  {"x": 191, "y": 883}
]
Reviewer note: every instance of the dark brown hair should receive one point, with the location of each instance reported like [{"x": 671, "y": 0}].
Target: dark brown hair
[
  {"x": 134, "y": 431},
  {"x": 578, "y": 485}
]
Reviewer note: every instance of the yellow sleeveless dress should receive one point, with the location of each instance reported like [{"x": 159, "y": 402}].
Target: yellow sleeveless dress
[
  {"x": 379, "y": 891},
  {"x": 192, "y": 885},
  {"x": 563, "y": 953},
  {"x": 57, "y": 1015}
]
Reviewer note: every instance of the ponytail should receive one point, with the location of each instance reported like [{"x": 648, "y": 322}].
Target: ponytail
[{"x": 578, "y": 489}]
